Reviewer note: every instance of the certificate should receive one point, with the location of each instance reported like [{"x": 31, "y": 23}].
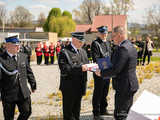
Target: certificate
[
  {"x": 92, "y": 67},
  {"x": 104, "y": 63}
]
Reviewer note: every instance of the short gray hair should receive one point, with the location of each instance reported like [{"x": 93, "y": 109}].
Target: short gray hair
[{"x": 119, "y": 29}]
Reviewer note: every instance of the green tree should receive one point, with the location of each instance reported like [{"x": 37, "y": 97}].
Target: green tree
[
  {"x": 67, "y": 13},
  {"x": 54, "y": 12},
  {"x": 61, "y": 24}
]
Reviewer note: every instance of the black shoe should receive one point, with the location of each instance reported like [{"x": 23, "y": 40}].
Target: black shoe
[
  {"x": 97, "y": 118},
  {"x": 106, "y": 113}
]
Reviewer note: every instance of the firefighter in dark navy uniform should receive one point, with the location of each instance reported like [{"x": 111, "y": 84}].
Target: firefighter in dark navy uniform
[
  {"x": 140, "y": 45},
  {"x": 14, "y": 74},
  {"x": 72, "y": 63},
  {"x": 100, "y": 49}
]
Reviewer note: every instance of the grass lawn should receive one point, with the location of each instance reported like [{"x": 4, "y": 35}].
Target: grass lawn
[
  {"x": 155, "y": 50},
  {"x": 153, "y": 58}
]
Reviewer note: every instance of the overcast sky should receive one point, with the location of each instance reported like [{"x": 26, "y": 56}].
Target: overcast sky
[{"x": 37, "y": 6}]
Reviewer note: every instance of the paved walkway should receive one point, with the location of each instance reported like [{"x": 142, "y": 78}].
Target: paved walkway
[
  {"x": 156, "y": 54},
  {"x": 44, "y": 104}
]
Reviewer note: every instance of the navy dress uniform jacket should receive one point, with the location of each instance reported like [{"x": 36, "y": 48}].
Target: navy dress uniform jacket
[
  {"x": 14, "y": 85},
  {"x": 73, "y": 79},
  {"x": 100, "y": 49},
  {"x": 124, "y": 68}
]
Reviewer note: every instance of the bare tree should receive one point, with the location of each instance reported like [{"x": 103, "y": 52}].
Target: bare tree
[
  {"x": 121, "y": 7},
  {"x": 153, "y": 23},
  {"x": 153, "y": 15},
  {"x": 21, "y": 17},
  {"x": 41, "y": 19},
  {"x": 88, "y": 9},
  {"x": 3, "y": 14}
]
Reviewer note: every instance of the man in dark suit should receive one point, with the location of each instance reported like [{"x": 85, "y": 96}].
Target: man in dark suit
[
  {"x": 100, "y": 48},
  {"x": 28, "y": 51},
  {"x": 124, "y": 71},
  {"x": 14, "y": 74},
  {"x": 72, "y": 60}
]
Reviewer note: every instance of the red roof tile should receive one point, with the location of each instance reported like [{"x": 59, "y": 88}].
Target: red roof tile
[
  {"x": 106, "y": 20},
  {"x": 82, "y": 28}
]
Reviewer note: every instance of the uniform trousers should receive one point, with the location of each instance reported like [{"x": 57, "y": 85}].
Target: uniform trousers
[
  {"x": 99, "y": 101},
  {"x": 46, "y": 59},
  {"x": 24, "y": 107},
  {"x": 71, "y": 105},
  {"x": 148, "y": 53},
  {"x": 123, "y": 102},
  {"x": 139, "y": 58},
  {"x": 52, "y": 59},
  {"x": 39, "y": 60}
]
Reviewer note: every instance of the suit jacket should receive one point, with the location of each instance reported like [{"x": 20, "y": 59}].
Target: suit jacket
[
  {"x": 73, "y": 79},
  {"x": 14, "y": 87},
  {"x": 124, "y": 63}
]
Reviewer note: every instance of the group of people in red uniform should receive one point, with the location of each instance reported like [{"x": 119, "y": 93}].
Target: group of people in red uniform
[{"x": 48, "y": 52}]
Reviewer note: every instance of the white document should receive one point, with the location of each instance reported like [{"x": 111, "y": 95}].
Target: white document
[
  {"x": 92, "y": 67},
  {"x": 147, "y": 107}
]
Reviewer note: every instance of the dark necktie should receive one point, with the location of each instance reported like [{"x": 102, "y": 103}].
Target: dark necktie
[
  {"x": 14, "y": 58},
  {"x": 78, "y": 51}
]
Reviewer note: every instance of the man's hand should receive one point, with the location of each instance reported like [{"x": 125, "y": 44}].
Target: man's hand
[
  {"x": 98, "y": 72},
  {"x": 84, "y": 68}
]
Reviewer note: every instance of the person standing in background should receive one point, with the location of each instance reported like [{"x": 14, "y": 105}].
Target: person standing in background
[
  {"x": 46, "y": 55},
  {"x": 28, "y": 51},
  {"x": 139, "y": 43},
  {"x": 58, "y": 49},
  {"x": 89, "y": 53},
  {"x": 148, "y": 47},
  {"x": 39, "y": 52},
  {"x": 52, "y": 51}
]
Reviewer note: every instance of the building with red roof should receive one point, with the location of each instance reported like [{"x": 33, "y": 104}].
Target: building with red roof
[
  {"x": 82, "y": 28},
  {"x": 110, "y": 21}
]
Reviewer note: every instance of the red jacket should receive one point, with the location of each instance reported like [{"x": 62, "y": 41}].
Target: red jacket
[
  {"x": 58, "y": 49},
  {"x": 38, "y": 51},
  {"x": 46, "y": 52}
]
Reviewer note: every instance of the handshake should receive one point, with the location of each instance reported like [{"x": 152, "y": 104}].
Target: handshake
[{"x": 91, "y": 67}]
